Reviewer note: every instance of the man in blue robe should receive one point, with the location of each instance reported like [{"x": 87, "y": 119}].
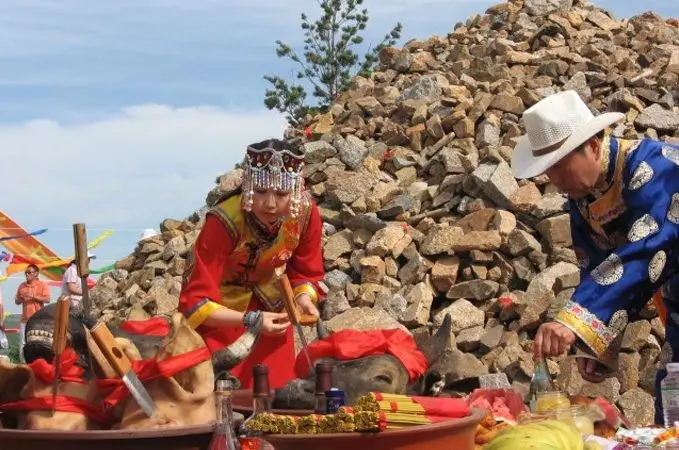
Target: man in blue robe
[{"x": 623, "y": 198}]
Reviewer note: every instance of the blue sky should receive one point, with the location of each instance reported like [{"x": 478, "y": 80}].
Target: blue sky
[{"x": 121, "y": 113}]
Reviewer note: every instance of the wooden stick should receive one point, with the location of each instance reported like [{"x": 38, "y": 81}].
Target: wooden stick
[
  {"x": 82, "y": 263},
  {"x": 80, "y": 239}
]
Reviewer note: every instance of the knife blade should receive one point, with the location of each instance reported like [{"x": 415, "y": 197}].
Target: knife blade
[
  {"x": 121, "y": 364},
  {"x": 59, "y": 342},
  {"x": 293, "y": 313}
]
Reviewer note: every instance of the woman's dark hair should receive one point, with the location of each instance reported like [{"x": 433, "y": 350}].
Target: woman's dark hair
[
  {"x": 34, "y": 267},
  {"x": 276, "y": 144}
]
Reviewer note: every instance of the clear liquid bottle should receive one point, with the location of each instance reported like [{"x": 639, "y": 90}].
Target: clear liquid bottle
[
  {"x": 669, "y": 390},
  {"x": 540, "y": 382},
  {"x": 224, "y": 437},
  {"x": 251, "y": 439},
  {"x": 323, "y": 384}
]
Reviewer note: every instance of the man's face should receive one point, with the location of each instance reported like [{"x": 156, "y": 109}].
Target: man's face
[
  {"x": 578, "y": 172},
  {"x": 31, "y": 274}
]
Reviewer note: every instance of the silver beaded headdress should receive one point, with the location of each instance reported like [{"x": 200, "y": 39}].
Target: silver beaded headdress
[{"x": 273, "y": 169}]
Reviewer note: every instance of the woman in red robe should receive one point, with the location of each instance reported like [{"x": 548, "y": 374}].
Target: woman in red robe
[{"x": 229, "y": 284}]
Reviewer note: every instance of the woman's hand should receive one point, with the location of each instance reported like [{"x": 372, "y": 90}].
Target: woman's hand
[
  {"x": 274, "y": 324},
  {"x": 306, "y": 305},
  {"x": 553, "y": 339}
]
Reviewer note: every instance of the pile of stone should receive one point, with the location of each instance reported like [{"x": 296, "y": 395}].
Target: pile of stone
[{"x": 422, "y": 215}]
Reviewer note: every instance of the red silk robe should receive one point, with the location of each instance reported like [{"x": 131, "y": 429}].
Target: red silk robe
[{"x": 231, "y": 265}]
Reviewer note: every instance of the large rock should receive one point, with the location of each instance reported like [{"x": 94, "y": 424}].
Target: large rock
[
  {"x": 463, "y": 314},
  {"x": 364, "y": 319}
]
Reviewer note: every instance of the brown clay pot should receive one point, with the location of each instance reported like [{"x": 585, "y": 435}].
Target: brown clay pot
[
  {"x": 456, "y": 434},
  {"x": 195, "y": 437}
]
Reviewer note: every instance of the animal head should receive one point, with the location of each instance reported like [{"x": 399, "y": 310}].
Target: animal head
[
  {"x": 185, "y": 397},
  {"x": 357, "y": 377},
  {"x": 39, "y": 333},
  {"x": 26, "y": 397}
]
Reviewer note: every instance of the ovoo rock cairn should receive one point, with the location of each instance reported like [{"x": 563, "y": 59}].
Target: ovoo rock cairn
[{"x": 422, "y": 214}]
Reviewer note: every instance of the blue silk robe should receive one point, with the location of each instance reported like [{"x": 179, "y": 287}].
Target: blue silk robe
[{"x": 626, "y": 239}]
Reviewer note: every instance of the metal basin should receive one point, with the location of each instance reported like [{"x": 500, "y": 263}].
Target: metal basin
[
  {"x": 196, "y": 437},
  {"x": 176, "y": 438},
  {"x": 457, "y": 434}
]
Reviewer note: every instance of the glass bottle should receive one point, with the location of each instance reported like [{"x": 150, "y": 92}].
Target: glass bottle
[
  {"x": 251, "y": 439},
  {"x": 224, "y": 437},
  {"x": 540, "y": 382},
  {"x": 323, "y": 384}
]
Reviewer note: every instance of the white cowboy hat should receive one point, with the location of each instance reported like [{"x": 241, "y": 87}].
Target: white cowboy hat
[
  {"x": 148, "y": 233},
  {"x": 555, "y": 126}
]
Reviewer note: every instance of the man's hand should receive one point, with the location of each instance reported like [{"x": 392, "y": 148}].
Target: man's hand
[
  {"x": 274, "y": 324},
  {"x": 553, "y": 339},
  {"x": 307, "y": 306}
]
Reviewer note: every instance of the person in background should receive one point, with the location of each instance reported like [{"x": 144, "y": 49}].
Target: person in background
[
  {"x": 229, "y": 283},
  {"x": 2, "y": 313},
  {"x": 623, "y": 198},
  {"x": 32, "y": 295},
  {"x": 71, "y": 284}
]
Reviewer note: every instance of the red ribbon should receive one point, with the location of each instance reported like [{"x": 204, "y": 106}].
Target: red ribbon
[
  {"x": 63, "y": 403},
  {"x": 347, "y": 344},
  {"x": 149, "y": 370},
  {"x": 155, "y": 326},
  {"x": 68, "y": 371}
]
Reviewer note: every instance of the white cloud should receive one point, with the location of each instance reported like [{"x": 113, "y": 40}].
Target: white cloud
[{"x": 127, "y": 170}]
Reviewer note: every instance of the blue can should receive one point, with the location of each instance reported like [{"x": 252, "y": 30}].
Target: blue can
[{"x": 334, "y": 400}]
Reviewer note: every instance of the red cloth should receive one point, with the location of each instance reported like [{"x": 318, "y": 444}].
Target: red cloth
[
  {"x": 69, "y": 372},
  {"x": 151, "y": 369},
  {"x": 277, "y": 352},
  {"x": 353, "y": 344},
  {"x": 214, "y": 248},
  {"x": 63, "y": 403},
  {"x": 155, "y": 326}
]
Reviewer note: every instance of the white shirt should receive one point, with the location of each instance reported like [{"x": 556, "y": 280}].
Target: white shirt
[{"x": 70, "y": 276}]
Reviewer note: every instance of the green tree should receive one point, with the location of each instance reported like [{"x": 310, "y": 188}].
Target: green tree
[{"x": 329, "y": 59}]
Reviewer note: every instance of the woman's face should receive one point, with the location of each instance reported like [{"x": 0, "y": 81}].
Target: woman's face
[{"x": 269, "y": 205}]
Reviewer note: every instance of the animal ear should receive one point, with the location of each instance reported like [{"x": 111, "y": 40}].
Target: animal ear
[{"x": 435, "y": 345}]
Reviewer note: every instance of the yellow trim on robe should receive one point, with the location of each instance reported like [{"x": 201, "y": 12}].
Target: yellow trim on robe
[
  {"x": 594, "y": 340},
  {"x": 198, "y": 317}
]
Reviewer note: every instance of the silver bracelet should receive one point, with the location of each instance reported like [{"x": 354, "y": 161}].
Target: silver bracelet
[{"x": 253, "y": 320}]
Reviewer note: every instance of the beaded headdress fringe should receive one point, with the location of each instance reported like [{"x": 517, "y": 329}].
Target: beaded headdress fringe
[{"x": 273, "y": 169}]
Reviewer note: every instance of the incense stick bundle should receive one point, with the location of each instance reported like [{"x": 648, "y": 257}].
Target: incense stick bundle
[
  {"x": 404, "y": 404},
  {"x": 378, "y": 421},
  {"x": 308, "y": 424},
  {"x": 341, "y": 422}
]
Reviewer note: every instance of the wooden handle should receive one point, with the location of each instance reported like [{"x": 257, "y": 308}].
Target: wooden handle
[
  {"x": 109, "y": 347},
  {"x": 60, "y": 325},
  {"x": 80, "y": 239},
  {"x": 308, "y": 320},
  {"x": 105, "y": 369},
  {"x": 289, "y": 299}
]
